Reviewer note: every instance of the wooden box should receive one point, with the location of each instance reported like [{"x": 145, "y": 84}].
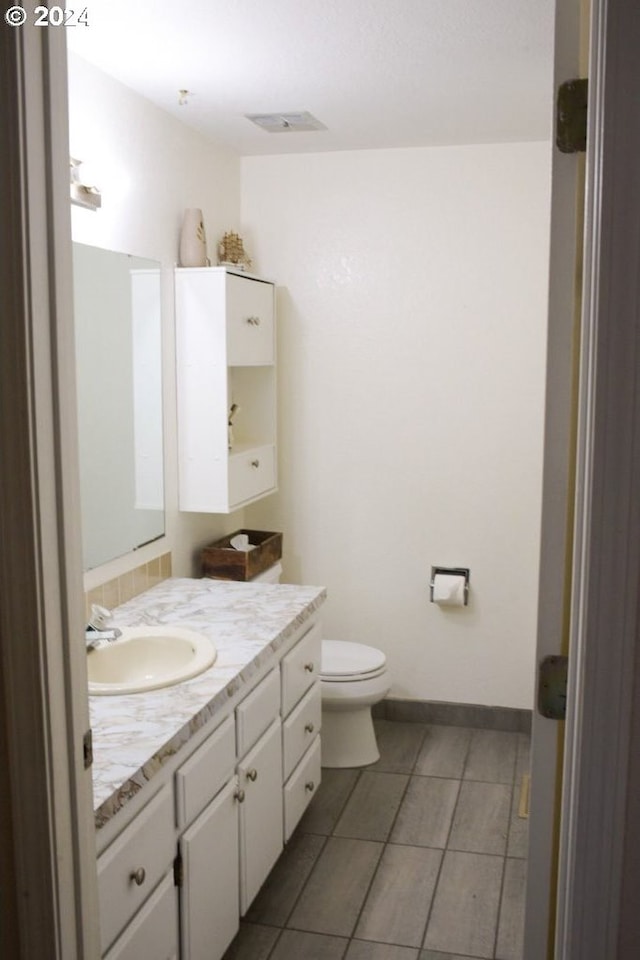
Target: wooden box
[{"x": 223, "y": 562}]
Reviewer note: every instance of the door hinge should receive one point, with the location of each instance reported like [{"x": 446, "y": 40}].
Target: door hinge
[
  {"x": 571, "y": 116},
  {"x": 178, "y": 871},
  {"x": 552, "y": 687},
  {"x": 87, "y": 749}
]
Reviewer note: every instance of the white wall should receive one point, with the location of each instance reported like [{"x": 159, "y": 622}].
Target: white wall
[
  {"x": 412, "y": 324},
  {"x": 149, "y": 168},
  {"x": 412, "y": 302}
]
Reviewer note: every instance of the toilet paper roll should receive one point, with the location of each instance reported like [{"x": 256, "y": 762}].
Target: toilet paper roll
[{"x": 448, "y": 589}]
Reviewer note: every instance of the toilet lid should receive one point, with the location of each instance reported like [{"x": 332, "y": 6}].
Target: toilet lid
[{"x": 341, "y": 659}]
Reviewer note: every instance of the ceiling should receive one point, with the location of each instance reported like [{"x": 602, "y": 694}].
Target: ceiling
[{"x": 375, "y": 73}]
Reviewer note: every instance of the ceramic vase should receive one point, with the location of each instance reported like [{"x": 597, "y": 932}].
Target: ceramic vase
[{"x": 193, "y": 241}]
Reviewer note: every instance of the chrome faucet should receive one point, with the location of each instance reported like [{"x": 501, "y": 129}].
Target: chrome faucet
[{"x": 98, "y": 630}]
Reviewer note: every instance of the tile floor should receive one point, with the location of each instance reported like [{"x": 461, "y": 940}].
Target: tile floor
[{"x": 418, "y": 857}]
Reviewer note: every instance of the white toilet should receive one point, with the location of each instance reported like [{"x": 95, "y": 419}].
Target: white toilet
[
  {"x": 353, "y": 677},
  {"x": 272, "y": 574}
]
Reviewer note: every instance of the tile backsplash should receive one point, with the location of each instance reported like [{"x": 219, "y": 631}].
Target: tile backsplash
[{"x": 128, "y": 585}]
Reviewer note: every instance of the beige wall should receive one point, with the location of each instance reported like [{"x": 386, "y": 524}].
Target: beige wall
[{"x": 412, "y": 319}]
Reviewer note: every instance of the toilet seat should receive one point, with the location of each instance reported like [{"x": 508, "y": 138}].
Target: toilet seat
[{"x": 345, "y": 662}]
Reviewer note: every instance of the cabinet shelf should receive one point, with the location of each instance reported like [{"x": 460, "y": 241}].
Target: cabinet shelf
[{"x": 225, "y": 354}]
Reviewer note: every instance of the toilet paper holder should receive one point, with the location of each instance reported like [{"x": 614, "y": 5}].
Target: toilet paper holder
[{"x": 454, "y": 572}]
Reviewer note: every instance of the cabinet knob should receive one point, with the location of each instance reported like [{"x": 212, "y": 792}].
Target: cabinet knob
[
  {"x": 309, "y": 728},
  {"x": 252, "y": 775},
  {"x": 255, "y": 464},
  {"x": 138, "y": 876},
  {"x": 239, "y": 796},
  {"x": 253, "y": 321},
  {"x": 309, "y": 667},
  {"x": 310, "y": 786}
]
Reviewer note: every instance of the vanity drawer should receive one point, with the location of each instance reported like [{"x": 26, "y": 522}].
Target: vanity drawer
[
  {"x": 299, "y": 729},
  {"x": 199, "y": 779},
  {"x": 301, "y": 787},
  {"x": 251, "y": 473},
  {"x": 257, "y": 711},
  {"x": 250, "y": 327},
  {"x": 146, "y": 848},
  {"x": 153, "y": 932},
  {"x": 300, "y": 668}
]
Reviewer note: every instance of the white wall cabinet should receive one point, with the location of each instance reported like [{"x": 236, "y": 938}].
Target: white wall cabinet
[
  {"x": 225, "y": 355},
  {"x": 218, "y": 821}
]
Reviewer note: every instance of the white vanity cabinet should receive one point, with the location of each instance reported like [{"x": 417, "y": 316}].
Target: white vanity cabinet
[
  {"x": 301, "y": 712},
  {"x": 139, "y": 861},
  {"x": 225, "y": 355},
  {"x": 176, "y": 880}
]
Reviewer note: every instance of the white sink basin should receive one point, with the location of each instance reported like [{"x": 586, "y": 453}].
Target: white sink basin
[{"x": 147, "y": 658}]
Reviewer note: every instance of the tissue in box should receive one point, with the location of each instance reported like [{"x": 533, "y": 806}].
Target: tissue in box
[{"x": 223, "y": 562}]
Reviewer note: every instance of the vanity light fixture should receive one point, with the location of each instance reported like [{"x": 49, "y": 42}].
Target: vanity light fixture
[{"x": 82, "y": 195}]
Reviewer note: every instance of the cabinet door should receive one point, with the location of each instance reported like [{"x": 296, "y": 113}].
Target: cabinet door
[
  {"x": 260, "y": 779},
  {"x": 209, "y": 908},
  {"x": 252, "y": 473},
  {"x": 250, "y": 329},
  {"x": 153, "y": 932}
]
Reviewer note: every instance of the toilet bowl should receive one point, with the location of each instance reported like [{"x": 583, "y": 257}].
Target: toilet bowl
[{"x": 353, "y": 677}]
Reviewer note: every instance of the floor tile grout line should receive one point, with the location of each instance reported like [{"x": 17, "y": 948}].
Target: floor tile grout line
[
  {"x": 327, "y": 837},
  {"x": 448, "y": 848},
  {"x": 283, "y": 930},
  {"x": 499, "y": 914},
  {"x": 386, "y": 842},
  {"x": 304, "y": 885},
  {"x": 442, "y": 859},
  {"x": 347, "y": 799},
  {"x": 514, "y": 787},
  {"x": 274, "y": 944},
  {"x": 512, "y": 807},
  {"x": 466, "y": 756},
  {"x": 431, "y": 776}
]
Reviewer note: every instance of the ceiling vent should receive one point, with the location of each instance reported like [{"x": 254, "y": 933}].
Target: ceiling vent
[{"x": 298, "y": 122}]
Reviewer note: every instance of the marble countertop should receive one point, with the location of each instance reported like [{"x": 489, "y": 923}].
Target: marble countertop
[{"x": 134, "y": 735}]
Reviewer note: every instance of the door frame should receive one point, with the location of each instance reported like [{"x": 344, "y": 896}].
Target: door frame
[
  {"x": 590, "y": 809},
  {"x": 47, "y": 838},
  {"x": 558, "y": 483},
  {"x": 597, "y": 916}
]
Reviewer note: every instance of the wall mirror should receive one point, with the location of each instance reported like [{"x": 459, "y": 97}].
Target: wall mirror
[{"x": 119, "y": 381}]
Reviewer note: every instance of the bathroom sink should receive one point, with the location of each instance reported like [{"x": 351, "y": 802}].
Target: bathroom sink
[{"x": 147, "y": 658}]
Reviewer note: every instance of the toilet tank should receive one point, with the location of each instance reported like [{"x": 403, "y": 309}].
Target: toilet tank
[{"x": 270, "y": 575}]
